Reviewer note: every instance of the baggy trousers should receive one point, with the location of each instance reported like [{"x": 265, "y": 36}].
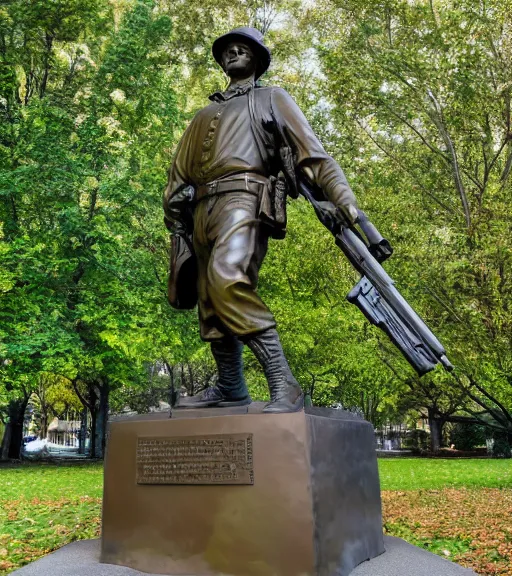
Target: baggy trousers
[{"x": 230, "y": 244}]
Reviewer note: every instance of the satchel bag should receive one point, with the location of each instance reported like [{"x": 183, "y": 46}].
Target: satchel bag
[{"x": 182, "y": 281}]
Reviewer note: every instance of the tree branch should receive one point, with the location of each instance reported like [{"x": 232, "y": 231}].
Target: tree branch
[
  {"x": 82, "y": 399},
  {"x": 494, "y": 400},
  {"x": 436, "y": 114},
  {"x": 449, "y": 209}
]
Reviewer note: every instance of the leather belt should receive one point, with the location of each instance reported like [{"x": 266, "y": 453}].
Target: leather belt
[{"x": 247, "y": 182}]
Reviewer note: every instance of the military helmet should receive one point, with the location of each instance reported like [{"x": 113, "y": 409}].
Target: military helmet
[{"x": 252, "y": 37}]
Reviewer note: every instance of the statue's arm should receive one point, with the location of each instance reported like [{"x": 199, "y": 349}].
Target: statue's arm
[{"x": 311, "y": 158}]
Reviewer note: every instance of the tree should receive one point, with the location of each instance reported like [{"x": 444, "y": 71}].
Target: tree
[
  {"x": 86, "y": 147},
  {"x": 419, "y": 97}
]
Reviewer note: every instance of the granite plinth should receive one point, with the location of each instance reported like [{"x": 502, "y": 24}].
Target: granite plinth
[
  {"x": 400, "y": 559},
  {"x": 308, "y": 500}
]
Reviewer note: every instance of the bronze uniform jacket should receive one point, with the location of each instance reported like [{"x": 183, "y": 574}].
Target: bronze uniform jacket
[{"x": 220, "y": 142}]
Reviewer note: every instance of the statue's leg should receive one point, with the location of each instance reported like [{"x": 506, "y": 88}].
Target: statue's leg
[
  {"x": 232, "y": 273},
  {"x": 237, "y": 246},
  {"x": 238, "y": 252},
  {"x": 285, "y": 393},
  {"x": 209, "y": 323}
]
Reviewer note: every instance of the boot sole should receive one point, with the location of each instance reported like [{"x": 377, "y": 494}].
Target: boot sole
[
  {"x": 215, "y": 404},
  {"x": 273, "y": 408},
  {"x": 197, "y": 405},
  {"x": 227, "y": 403}
]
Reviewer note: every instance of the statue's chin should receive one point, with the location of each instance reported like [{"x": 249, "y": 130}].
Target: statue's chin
[
  {"x": 239, "y": 74},
  {"x": 235, "y": 72}
]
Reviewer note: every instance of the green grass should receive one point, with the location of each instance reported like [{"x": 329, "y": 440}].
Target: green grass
[
  {"x": 51, "y": 481},
  {"x": 423, "y": 473},
  {"x": 454, "y": 546},
  {"x": 44, "y": 506}
]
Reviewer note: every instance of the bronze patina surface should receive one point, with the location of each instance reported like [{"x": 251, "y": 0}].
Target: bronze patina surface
[
  {"x": 314, "y": 507},
  {"x": 210, "y": 459}
]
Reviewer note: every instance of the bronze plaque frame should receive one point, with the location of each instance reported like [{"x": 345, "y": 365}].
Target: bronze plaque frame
[{"x": 206, "y": 459}]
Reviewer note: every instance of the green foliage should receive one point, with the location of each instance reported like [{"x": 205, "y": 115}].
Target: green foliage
[
  {"x": 86, "y": 148},
  {"x": 500, "y": 445},
  {"x": 416, "y": 440},
  {"x": 425, "y": 134}
]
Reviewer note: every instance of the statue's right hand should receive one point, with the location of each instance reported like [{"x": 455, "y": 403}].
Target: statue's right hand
[{"x": 350, "y": 212}]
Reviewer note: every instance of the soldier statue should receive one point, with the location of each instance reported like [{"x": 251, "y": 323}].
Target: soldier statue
[{"x": 235, "y": 164}]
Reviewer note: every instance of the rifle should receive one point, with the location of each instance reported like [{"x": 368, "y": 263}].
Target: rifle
[{"x": 375, "y": 293}]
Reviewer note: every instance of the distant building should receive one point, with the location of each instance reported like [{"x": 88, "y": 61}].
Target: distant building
[{"x": 64, "y": 432}]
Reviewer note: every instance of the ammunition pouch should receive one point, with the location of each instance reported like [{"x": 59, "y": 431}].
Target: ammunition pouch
[{"x": 273, "y": 206}]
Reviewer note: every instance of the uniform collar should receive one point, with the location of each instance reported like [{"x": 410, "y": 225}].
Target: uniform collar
[{"x": 231, "y": 92}]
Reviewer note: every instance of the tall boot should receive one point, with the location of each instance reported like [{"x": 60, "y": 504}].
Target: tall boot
[
  {"x": 231, "y": 383},
  {"x": 285, "y": 393},
  {"x": 230, "y": 389}
]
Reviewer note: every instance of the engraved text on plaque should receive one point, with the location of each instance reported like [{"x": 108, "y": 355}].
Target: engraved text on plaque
[{"x": 212, "y": 459}]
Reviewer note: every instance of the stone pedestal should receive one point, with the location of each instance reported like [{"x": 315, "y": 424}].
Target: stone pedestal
[
  {"x": 401, "y": 559},
  {"x": 238, "y": 492}
]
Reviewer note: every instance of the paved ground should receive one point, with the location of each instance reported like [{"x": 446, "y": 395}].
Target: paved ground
[
  {"x": 400, "y": 559},
  {"x": 403, "y": 559}
]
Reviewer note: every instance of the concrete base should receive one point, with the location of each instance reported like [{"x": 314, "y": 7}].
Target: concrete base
[{"x": 400, "y": 559}]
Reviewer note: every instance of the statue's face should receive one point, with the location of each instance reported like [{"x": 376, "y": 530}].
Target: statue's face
[{"x": 238, "y": 60}]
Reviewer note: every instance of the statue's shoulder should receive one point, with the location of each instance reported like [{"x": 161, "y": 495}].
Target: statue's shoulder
[
  {"x": 273, "y": 96},
  {"x": 200, "y": 116},
  {"x": 205, "y": 110},
  {"x": 273, "y": 90}
]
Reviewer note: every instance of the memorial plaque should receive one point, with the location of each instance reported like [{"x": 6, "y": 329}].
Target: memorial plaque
[{"x": 212, "y": 459}]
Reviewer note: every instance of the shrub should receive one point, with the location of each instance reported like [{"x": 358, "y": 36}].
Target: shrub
[
  {"x": 417, "y": 440},
  {"x": 467, "y": 436},
  {"x": 498, "y": 445}
]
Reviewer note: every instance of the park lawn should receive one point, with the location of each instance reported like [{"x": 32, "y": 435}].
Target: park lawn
[
  {"x": 44, "y": 506},
  {"x": 472, "y": 526},
  {"x": 460, "y": 509},
  {"x": 423, "y": 473}
]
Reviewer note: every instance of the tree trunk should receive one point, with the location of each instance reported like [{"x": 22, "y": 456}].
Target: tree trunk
[
  {"x": 436, "y": 430},
  {"x": 173, "y": 393},
  {"x": 13, "y": 437},
  {"x": 6, "y": 442},
  {"x": 191, "y": 379},
  {"x": 44, "y": 425},
  {"x": 92, "y": 436},
  {"x": 82, "y": 436},
  {"x": 102, "y": 420}
]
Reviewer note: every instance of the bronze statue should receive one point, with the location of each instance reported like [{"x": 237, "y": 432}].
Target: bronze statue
[{"x": 229, "y": 181}]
